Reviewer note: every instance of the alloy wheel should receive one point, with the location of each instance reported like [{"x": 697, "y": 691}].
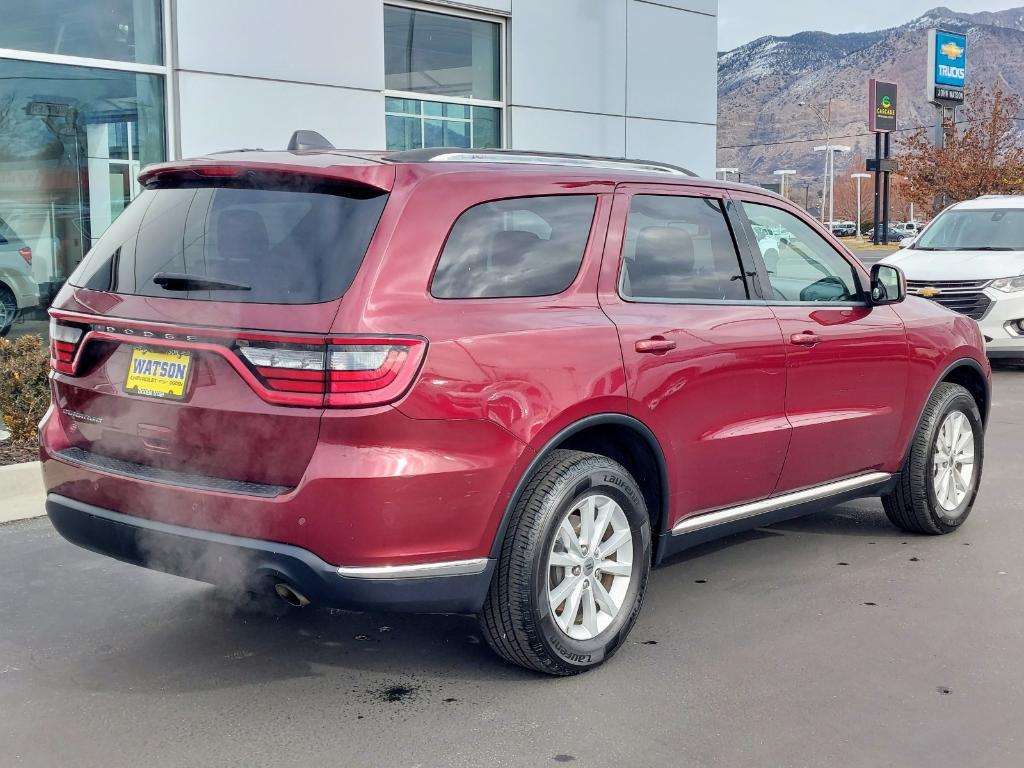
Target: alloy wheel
[
  {"x": 953, "y": 462},
  {"x": 590, "y": 567}
]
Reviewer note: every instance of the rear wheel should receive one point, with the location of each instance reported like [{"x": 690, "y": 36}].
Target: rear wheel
[
  {"x": 940, "y": 480},
  {"x": 8, "y": 310},
  {"x": 573, "y": 567}
]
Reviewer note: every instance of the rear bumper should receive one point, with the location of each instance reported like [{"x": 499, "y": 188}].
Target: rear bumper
[{"x": 236, "y": 561}]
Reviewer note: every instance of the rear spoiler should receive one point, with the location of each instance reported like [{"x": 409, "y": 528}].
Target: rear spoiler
[{"x": 324, "y": 167}]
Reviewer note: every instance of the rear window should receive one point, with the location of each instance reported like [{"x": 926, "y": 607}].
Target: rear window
[
  {"x": 297, "y": 244},
  {"x": 529, "y": 246}
]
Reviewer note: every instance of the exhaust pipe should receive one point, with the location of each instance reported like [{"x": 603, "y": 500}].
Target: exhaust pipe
[{"x": 290, "y": 595}]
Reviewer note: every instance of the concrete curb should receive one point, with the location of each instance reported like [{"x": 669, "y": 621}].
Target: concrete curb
[{"x": 21, "y": 492}]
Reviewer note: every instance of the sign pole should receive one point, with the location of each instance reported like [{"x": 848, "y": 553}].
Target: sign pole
[
  {"x": 885, "y": 193},
  {"x": 878, "y": 191}
]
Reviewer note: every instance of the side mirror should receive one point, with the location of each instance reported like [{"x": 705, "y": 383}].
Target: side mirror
[{"x": 888, "y": 284}]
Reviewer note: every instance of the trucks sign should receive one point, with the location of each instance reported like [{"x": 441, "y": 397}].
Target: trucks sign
[{"x": 947, "y": 67}]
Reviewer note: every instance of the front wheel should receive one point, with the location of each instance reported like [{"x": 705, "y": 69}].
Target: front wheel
[
  {"x": 573, "y": 567},
  {"x": 940, "y": 480},
  {"x": 8, "y": 310}
]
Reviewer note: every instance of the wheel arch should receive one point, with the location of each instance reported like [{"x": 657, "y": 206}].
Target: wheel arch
[
  {"x": 620, "y": 437},
  {"x": 968, "y": 373}
]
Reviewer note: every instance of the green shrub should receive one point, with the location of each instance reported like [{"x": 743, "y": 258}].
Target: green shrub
[{"x": 24, "y": 385}]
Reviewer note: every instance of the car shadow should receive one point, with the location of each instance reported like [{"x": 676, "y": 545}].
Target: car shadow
[{"x": 183, "y": 637}]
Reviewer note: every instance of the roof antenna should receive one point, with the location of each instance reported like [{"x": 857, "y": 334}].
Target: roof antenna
[{"x": 302, "y": 140}]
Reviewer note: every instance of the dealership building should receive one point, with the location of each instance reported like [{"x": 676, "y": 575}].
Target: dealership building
[{"x": 93, "y": 90}]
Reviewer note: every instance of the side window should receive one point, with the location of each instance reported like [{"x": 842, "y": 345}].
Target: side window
[
  {"x": 680, "y": 248},
  {"x": 528, "y": 246},
  {"x": 801, "y": 265}
]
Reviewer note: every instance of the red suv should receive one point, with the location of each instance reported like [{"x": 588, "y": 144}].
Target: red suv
[{"x": 492, "y": 383}]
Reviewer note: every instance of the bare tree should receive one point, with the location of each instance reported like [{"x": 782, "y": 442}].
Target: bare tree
[{"x": 983, "y": 154}]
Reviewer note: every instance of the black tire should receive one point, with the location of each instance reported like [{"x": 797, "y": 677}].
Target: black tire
[
  {"x": 517, "y": 620},
  {"x": 913, "y": 504},
  {"x": 8, "y": 310}
]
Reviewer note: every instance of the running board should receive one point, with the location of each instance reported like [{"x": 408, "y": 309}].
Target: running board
[{"x": 700, "y": 529}]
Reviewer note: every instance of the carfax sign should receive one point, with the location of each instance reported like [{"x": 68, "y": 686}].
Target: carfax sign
[{"x": 947, "y": 67}]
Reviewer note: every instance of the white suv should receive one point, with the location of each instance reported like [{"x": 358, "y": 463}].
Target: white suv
[{"x": 971, "y": 259}]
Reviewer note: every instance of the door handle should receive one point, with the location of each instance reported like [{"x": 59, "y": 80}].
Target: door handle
[
  {"x": 805, "y": 339},
  {"x": 655, "y": 346}
]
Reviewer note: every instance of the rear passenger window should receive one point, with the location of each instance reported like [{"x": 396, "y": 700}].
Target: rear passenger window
[
  {"x": 680, "y": 248},
  {"x": 529, "y": 246}
]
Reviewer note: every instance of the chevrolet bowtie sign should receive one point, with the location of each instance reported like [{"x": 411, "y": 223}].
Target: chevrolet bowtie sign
[
  {"x": 947, "y": 67},
  {"x": 928, "y": 292}
]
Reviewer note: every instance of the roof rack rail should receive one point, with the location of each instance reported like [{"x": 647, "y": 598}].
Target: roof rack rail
[{"x": 448, "y": 155}]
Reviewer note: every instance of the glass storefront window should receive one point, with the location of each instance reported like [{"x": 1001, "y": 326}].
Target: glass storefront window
[
  {"x": 414, "y": 124},
  {"x": 72, "y": 143},
  {"x": 450, "y": 60},
  {"x": 441, "y": 55},
  {"x": 119, "y": 30}
]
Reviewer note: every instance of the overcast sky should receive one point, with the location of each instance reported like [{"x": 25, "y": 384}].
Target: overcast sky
[{"x": 740, "y": 21}]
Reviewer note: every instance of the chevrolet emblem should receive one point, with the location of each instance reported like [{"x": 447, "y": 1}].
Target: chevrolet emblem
[
  {"x": 928, "y": 292},
  {"x": 952, "y": 51}
]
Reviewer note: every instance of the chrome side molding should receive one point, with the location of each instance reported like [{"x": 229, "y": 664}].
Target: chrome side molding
[
  {"x": 744, "y": 511},
  {"x": 416, "y": 571}
]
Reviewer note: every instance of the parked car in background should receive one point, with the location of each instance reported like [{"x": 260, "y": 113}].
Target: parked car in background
[
  {"x": 844, "y": 229},
  {"x": 895, "y": 235},
  {"x": 486, "y": 382},
  {"x": 971, "y": 260},
  {"x": 908, "y": 227},
  {"x": 18, "y": 289}
]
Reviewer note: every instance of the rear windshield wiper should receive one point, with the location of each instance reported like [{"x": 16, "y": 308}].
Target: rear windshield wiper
[{"x": 177, "y": 281}]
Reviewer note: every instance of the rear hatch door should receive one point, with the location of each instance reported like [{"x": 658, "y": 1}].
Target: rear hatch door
[{"x": 194, "y": 329}]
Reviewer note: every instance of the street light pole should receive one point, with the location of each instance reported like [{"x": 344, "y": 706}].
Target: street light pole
[
  {"x": 858, "y": 177},
  {"x": 830, "y": 163},
  {"x": 782, "y": 180},
  {"x": 726, "y": 172},
  {"x": 826, "y": 121}
]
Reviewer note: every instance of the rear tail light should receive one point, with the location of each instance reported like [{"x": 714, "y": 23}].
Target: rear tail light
[
  {"x": 26, "y": 254},
  {"x": 342, "y": 373},
  {"x": 64, "y": 341}
]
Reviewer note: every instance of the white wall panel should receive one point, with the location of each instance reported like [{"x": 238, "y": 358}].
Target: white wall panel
[
  {"x": 575, "y": 132},
  {"x": 221, "y": 112},
  {"x": 501, "y": 6},
  {"x": 335, "y": 42},
  {"x": 569, "y": 54},
  {"x": 687, "y": 144},
  {"x": 672, "y": 70},
  {"x": 698, "y": 6}
]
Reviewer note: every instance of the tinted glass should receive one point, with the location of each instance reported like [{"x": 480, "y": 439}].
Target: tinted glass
[
  {"x": 416, "y": 123},
  {"x": 122, "y": 30},
  {"x": 281, "y": 246},
  {"x": 440, "y": 54},
  {"x": 801, "y": 265},
  {"x": 530, "y": 246},
  {"x": 680, "y": 248},
  {"x": 971, "y": 230}
]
